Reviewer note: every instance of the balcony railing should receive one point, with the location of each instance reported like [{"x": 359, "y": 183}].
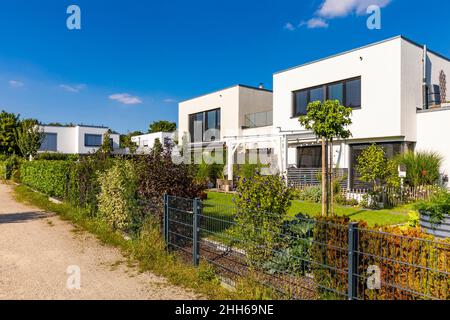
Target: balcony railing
[{"x": 258, "y": 120}]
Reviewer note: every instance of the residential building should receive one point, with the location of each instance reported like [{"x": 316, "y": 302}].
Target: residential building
[
  {"x": 395, "y": 87},
  {"x": 234, "y": 111},
  {"x": 77, "y": 139},
  {"x": 147, "y": 141}
]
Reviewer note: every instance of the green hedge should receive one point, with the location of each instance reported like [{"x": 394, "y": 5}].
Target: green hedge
[
  {"x": 2, "y": 170},
  {"x": 49, "y": 177}
]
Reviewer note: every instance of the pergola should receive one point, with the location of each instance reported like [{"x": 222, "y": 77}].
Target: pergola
[{"x": 279, "y": 142}]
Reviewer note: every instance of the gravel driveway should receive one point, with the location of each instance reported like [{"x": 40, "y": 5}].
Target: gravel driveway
[{"x": 36, "y": 249}]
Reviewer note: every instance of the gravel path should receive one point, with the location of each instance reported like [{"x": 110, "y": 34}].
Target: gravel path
[{"x": 36, "y": 248}]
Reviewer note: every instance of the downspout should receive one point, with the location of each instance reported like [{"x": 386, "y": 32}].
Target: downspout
[{"x": 424, "y": 84}]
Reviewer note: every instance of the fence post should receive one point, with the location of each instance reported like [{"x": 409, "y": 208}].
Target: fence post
[
  {"x": 196, "y": 232},
  {"x": 166, "y": 219},
  {"x": 352, "y": 260}
]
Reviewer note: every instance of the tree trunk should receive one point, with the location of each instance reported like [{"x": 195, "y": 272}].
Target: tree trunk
[
  {"x": 331, "y": 179},
  {"x": 324, "y": 179}
]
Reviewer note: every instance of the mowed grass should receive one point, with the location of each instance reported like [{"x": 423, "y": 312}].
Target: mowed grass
[{"x": 221, "y": 204}]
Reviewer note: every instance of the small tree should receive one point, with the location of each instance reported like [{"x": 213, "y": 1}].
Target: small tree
[
  {"x": 125, "y": 141},
  {"x": 373, "y": 166},
  {"x": 106, "y": 147},
  {"x": 328, "y": 120},
  {"x": 262, "y": 203},
  {"x": 29, "y": 138},
  {"x": 9, "y": 122},
  {"x": 162, "y": 126}
]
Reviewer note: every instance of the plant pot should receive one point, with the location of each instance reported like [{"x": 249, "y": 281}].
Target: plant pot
[{"x": 441, "y": 230}]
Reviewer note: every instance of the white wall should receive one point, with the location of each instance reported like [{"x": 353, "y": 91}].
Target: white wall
[
  {"x": 66, "y": 139},
  {"x": 234, "y": 103},
  {"x": 70, "y": 140},
  {"x": 147, "y": 141},
  {"x": 431, "y": 134},
  {"x": 379, "y": 70},
  {"x": 228, "y": 102}
]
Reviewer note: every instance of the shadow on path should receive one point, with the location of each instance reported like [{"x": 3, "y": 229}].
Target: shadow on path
[{"x": 22, "y": 217}]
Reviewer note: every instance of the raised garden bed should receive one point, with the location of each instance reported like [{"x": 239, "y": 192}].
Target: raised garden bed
[{"x": 441, "y": 230}]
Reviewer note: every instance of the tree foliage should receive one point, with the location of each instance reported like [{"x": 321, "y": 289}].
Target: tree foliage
[
  {"x": 159, "y": 175},
  {"x": 263, "y": 203},
  {"x": 162, "y": 126},
  {"x": 328, "y": 119},
  {"x": 374, "y": 167},
  {"x": 9, "y": 122},
  {"x": 29, "y": 137},
  {"x": 117, "y": 203}
]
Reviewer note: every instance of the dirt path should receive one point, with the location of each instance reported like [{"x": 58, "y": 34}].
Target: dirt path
[{"x": 36, "y": 248}]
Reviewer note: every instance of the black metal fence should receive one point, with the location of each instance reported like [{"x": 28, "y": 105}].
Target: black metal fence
[{"x": 311, "y": 259}]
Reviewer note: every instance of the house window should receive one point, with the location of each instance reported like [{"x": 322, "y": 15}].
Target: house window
[
  {"x": 205, "y": 126},
  {"x": 310, "y": 157},
  {"x": 347, "y": 92},
  {"x": 50, "y": 142},
  {"x": 92, "y": 140}
]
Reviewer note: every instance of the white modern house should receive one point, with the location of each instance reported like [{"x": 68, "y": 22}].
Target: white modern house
[
  {"x": 77, "y": 139},
  {"x": 147, "y": 141},
  {"x": 396, "y": 87}
]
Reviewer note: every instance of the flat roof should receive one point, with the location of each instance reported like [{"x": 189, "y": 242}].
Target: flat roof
[
  {"x": 364, "y": 47},
  {"x": 233, "y": 86}
]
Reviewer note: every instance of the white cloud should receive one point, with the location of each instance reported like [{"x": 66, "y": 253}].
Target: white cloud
[
  {"x": 315, "y": 23},
  {"x": 289, "y": 26},
  {"x": 16, "y": 84},
  {"x": 73, "y": 89},
  {"x": 125, "y": 98},
  {"x": 342, "y": 8}
]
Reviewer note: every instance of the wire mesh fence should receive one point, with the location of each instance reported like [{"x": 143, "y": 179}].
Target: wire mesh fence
[{"x": 308, "y": 258}]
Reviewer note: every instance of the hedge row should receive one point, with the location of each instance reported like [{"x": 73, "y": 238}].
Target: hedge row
[
  {"x": 49, "y": 177},
  {"x": 2, "y": 170}
]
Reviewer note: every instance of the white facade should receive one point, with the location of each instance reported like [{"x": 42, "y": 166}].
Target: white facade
[
  {"x": 76, "y": 139},
  {"x": 391, "y": 74},
  {"x": 386, "y": 78},
  {"x": 236, "y": 104},
  {"x": 147, "y": 141}
]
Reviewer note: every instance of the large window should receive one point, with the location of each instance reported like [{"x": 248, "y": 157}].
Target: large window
[
  {"x": 50, "y": 142},
  {"x": 310, "y": 157},
  {"x": 347, "y": 92},
  {"x": 205, "y": 126},
  {"x": 391, "y": 149},
  {"x": 92, "y": 140}
]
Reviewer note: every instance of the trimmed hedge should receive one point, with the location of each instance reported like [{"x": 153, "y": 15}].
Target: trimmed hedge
[
  {"x": 2, "y": 170},
  {"x": 49, "y": 177}
]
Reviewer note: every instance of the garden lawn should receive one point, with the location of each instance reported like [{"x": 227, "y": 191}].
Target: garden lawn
[{"x": 221, "y": 204}]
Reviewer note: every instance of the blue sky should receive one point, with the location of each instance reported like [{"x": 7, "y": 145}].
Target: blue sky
[{"x": 133, "y": 60}]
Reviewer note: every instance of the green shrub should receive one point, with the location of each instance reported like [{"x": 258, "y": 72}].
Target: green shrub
[
  {"x": 312, "y": 194},
  {"x": 436, "y": 208},
  {"x": 83, "y": 186},
  {"x": 263, "y": 203},
  {"x": 422, "y": 168},
  {"x": 49, "y": 177},
  {"x": 117, "y": 203},
  {"x": 56, "y": 156},
  {"x": 12, "y": 168}
]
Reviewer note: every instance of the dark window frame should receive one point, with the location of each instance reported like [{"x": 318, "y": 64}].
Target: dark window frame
[
  {"x": 325, "y": 88},
  {"x": 205, "y": 124},
  {"x": 92, "y": 135}
]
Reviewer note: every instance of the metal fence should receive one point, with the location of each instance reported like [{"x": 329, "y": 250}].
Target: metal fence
[
  {"x": 308, "y": 259},
  {"x": 306, "y": 177}
]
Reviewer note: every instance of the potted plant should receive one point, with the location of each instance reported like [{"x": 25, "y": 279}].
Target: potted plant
[{"x": 435, "y": 215}]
